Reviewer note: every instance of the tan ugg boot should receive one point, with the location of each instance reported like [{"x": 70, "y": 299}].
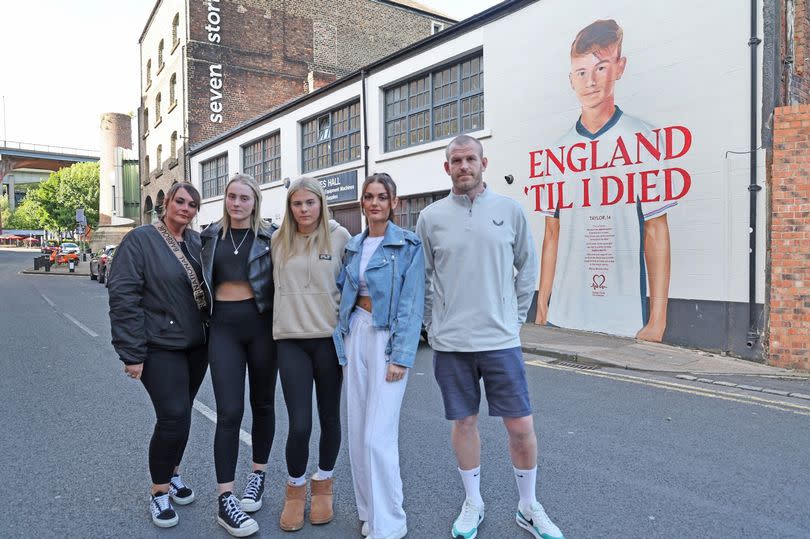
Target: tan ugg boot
[
  {"x": 292, "y": 516},
  {"x": 320, "y": 511}
]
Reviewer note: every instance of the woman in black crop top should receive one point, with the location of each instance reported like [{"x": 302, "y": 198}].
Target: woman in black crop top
[{"x": 237, "y": 268}]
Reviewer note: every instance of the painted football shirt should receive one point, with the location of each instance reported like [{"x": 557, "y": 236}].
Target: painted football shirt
[{"x": 600, "y": 281}]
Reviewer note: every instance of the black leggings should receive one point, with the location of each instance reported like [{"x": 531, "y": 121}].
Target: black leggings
[
  {"x": 300, "y": 362},
  {"x": 172, "y": 378},
  {"x": 241, "y": 337}
]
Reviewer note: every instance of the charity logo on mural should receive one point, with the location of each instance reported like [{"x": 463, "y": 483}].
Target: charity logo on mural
[{"x": 606, "y": 190}]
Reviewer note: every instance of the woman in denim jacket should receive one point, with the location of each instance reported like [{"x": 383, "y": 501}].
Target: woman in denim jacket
[{"x": 381, "y": 307}]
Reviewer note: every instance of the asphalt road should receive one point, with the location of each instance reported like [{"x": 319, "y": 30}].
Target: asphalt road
[{"x": 618, "y": 457}]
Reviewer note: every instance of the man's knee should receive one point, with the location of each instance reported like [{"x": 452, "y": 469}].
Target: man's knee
[
  {"x": 466, "y": 425},
  {"x": 520, "y": 429}
]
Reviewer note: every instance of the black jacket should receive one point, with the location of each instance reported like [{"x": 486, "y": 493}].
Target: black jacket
[
  {"x": 260, "y": 263},
  {"x": 151, "y": 300}
]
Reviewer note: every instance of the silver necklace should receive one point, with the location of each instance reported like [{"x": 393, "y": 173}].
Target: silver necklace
[{"x": 236, "y": 247}]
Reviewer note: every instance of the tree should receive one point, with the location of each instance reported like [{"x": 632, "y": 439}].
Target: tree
[
  {"x": 67, "y": 190},
  {"x": 29, "y": 215},
  {"x": 5, "y": 212}
]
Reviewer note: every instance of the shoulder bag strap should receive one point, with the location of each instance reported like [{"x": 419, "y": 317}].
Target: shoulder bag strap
[{"x": 174, "y": 247}]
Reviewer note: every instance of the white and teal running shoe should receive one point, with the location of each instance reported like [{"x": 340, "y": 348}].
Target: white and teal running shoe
[
  {"x": 535, "y": 520},
  {"x": 466, "y": 525}
]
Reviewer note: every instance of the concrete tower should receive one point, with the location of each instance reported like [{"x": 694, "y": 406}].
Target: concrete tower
[{"x": 116, "y": 132}]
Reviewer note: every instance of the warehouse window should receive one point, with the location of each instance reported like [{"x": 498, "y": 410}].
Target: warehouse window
[
  {"x": 173, "y": 90},
  {"x": 173, "y": 146},
  {"x": 214, "y": 174},
  {"x": 332, "y": 138},
  {"x": 158, "y": 117},
  {"x": 435, "y": 105},
  {"x": 407, "y": 212},
  {"x": 160, "y": 56},
  {"x": 149, "y": 73},
  {"x": 262, "y": 159},
  {"x": 175, "y": 28}
]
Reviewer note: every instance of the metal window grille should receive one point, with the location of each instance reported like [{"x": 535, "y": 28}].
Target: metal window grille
[
  {"x": 214, "y": 175},
  {"x": 436, "y": 105},
  {"x": 331, "y": 138},
  {"x": 262, "y": 159}
]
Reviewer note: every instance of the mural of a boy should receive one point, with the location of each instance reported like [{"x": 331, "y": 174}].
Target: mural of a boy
[{"x": 597, "y": 260}]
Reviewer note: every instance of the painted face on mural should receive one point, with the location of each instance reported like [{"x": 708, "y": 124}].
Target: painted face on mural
[
  {"x": 593, "y": 77},
  {"x": 466, "y": 167}
]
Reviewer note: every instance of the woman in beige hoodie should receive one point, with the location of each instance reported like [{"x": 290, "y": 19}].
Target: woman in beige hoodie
[{"x": 307, "y": 257}]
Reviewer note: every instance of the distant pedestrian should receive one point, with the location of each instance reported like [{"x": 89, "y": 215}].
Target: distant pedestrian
[
  {"x": 382, "y": 300},
  {"x": 307, "y": 251},
  {"x": 237, "y": 267},
  {"x": 480, "y": 267},
  {"x": 158, "y": 317}
]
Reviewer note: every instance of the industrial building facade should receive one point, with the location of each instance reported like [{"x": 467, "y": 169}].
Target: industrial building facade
[
  {"x": 675, "y": 191},
  {"x": 207, "y": 66}
]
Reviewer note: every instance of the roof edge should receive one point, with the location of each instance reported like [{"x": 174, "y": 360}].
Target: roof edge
[
  {"x": 431, "y": 14},
  {"x": 469, "y": 24},
  {"x": 149, "y": 20}
]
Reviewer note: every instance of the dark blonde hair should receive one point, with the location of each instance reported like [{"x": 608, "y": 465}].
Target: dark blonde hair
[
  {"x": 256, "y": 216},
  {"x": 387, "y": 182},
  {"x": 599, "y": 36},
  {"x": 172, "y": 192},
  {"x": 284, "y": 246}
]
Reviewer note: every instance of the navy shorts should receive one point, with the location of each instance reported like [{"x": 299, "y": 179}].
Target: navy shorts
[{"x": 459, "y": 373}]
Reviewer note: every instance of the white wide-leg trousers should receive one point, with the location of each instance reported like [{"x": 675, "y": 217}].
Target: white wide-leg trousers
[{"x": 373, "y": 407}]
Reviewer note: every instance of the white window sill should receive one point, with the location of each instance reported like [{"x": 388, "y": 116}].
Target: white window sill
[{"x": 429, "y": 146}]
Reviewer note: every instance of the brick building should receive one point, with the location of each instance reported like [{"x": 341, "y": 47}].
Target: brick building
[{"x": 207, "y": 66}]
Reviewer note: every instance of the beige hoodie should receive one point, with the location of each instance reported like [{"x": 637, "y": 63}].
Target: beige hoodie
[{"x": 306, "y": 296}]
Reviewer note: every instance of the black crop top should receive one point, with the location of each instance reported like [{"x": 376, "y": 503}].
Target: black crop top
[{"x": 231, "y": 256}]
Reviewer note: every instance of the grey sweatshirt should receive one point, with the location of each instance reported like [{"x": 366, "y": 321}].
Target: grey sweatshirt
[{"x": 480, "y": 272}]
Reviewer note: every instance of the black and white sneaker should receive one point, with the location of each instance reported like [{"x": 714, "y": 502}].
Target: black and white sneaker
[
  {"x": 180, "y": 492},
  {"x": 233, "y": 519},
  {"x": 163, "y": 515},
  {"x": 252, "y": 496}
]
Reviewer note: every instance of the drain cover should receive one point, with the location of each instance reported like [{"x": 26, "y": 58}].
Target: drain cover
[{"x": 573, "y": 365}]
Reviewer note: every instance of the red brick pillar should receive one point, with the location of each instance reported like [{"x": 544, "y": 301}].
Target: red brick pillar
[{"x": 789, "y": 321}]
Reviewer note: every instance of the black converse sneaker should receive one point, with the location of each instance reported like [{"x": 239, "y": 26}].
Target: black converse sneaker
[
  {"x": 163, "y": 515},
  {"x": 233, "y": 519},
  {"x": 252, "y": 497},
  {"x": 180, "y": 492}
]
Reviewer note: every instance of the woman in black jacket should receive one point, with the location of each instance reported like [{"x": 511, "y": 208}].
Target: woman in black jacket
[
  {"x": 158, "y": 316},
  {"x": 237, "y": 267}
]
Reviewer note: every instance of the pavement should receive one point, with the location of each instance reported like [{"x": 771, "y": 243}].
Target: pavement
[
  {"x": 624, "y": 353},
  {"x": 82, "y": 269}
]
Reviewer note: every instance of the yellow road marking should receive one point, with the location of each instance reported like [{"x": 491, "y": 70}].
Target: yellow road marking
[{"x": 672, "y": 386}]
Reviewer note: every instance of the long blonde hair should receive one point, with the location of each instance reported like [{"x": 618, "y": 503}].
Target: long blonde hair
[
  {"x": 284, "y": 246},
  {"x": 255, "y": 216}
]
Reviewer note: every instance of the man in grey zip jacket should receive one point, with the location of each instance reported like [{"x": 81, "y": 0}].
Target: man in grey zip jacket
[{"x": 480, "y": 270}]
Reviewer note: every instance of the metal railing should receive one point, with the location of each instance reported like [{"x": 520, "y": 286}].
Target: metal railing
[{"x": 43, "y": 148}]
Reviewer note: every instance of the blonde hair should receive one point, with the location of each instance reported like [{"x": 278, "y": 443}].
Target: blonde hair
[
  {"x": 255, "y": 216},
  {"x": 284, "y": 246}
]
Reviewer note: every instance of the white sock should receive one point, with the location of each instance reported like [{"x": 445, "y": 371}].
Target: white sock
[
  {"x": 297, "y": 481},
  {"x": 472, "y": 484},
  {"x": 526, "y": 480},
  {"x": 320, "y": 475}
]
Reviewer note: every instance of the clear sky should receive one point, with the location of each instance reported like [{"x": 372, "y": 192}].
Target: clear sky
[{"x": 65, "y": 63}]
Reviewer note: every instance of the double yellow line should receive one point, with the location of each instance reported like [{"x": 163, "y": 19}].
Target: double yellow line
[{"x": 681, "y": 388}]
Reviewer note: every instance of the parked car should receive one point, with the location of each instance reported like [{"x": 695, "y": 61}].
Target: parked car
[
  {"x": 49, "y": 246},
  {"x": 70, "y": 248},
  {"x": 99, "y": 264}
]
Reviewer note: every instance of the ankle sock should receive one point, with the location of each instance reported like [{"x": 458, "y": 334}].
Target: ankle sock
[
  {"x": 297, "y": 481},
  {"x": 320, "y": 475}
]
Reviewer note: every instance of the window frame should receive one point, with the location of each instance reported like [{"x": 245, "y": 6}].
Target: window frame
[
  {"x": 330, "y": 138},
  {"x": 219, "y": 180},
  {"x": 399, "y": 109},
  {"x": 269, "y": 167}
]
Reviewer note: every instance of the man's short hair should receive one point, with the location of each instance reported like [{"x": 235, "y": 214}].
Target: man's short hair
[
  {"x": 598, "y": 37},
  {"x": 464, "y": 140}
]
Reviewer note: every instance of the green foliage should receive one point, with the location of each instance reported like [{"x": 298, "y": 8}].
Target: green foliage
[
  {"x": 66, "y": 190},
  {"x": 29, "y": 215},
  {"x": 5, "y": 212}
]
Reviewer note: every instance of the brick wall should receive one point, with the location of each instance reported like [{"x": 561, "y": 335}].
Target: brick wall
[{"x": 789, "y": 321}]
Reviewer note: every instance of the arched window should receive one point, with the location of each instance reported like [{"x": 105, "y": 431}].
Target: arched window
[
  {"x": 175, "y": 29},
  {"x": 145, "y": 121},
  {"x": 173, "y": 146},
  {"x": 159, "y": 156},
  {"x": 160, "y": 55},
  {"x": 157, "y": 108},
  {"x": 146, "y": 166},
  {"x": 148, "y": 73},
  {"x": 173, "y": 90}
]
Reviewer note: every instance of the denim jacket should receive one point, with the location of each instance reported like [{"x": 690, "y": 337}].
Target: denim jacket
[{"x": 395, "y": 277}]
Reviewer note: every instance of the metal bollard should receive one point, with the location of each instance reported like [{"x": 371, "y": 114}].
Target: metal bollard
[{"x": 71, "y": 266}]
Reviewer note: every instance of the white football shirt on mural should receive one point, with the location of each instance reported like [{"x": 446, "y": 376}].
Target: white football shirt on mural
[{"x": 600, "y": 282}]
